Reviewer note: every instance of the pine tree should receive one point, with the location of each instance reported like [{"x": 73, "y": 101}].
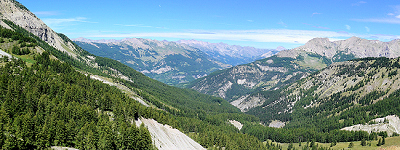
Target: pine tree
[
  {"x": 312, "y": 143},
  {"x": 145, "y": 142},
  {"x": 383, "y": 141},
  {"x": 351, "y": 145},
  {"x": 379, "y": 143},
  {"x": 290, "y": 146},
  {"x": 363, "y": 142}
]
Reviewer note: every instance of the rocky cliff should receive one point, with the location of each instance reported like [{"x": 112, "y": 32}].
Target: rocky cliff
[
  {"x": 21, "y": 16},
  {"x": 356, "y": 46}
]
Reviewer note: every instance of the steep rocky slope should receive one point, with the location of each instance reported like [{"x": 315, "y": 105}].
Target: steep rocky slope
[
  {"x": 352, "y": 91},
  {"x": 166, "y": 138},
  {"x": 232, "y": 83},
  {"x": 390, "y": 124},
  {"x": 17, "y": 13},
  {"x": 231, "y": 54},
  {"x": 356, "y": 46},
  {"x": 242, "y": 84},
  {"x": 168, "y": 62}
]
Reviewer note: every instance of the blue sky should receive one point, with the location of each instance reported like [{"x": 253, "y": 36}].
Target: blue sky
[{"x": 258, "y": 23}]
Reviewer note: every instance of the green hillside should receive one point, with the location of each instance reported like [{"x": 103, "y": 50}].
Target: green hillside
[
  {"x": 341, "y": 95},
  {"x": 50, "y": 103},
  {"x": 265, "y": 74},
  {"x": 48, "y": 98}
]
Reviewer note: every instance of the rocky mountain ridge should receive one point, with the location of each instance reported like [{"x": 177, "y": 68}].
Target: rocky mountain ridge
[
  {"x": 239, "y": 82},
  {"x": 47, "y": 102},
  {"x": 298, "y": 62},
  {"x": 362, "y": 89},
  {"x": 356, "y": 46},
  {"x": 231, "y": 54},
  {"x": 17, "y": 13}
]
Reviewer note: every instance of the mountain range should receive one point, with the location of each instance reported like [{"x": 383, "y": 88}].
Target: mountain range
[
  {"x": 55, "y": 99},
  {"x": 55, "y": 94},
  {"x": 240, "y": 84},
  {"x": 173, "y": 62},
  {"x": 168, "y": 62},
  {"x": 231, "y": 54}
]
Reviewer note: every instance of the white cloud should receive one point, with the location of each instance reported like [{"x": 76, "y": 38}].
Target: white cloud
[
  {"x": 385, "y": 20},
  {"x": 64, "y": 21},
  {"x": 315, "y": 14},
  {"x": 390, "y": 14},
  {"x": 282, "y": 23},
  {"x": 358, "y": 3},
  {"x": 139, "y": 25},
  {"x": 366, "y": 28},
  {"x": 348, "y": 27},
  {"x": 134, "y": 25},
  {"x": 47, "y": 13},
  {"x": 398, "y": 16},
  {"x": 267, "y": 36},
  {"x": 281, "y": 35}
]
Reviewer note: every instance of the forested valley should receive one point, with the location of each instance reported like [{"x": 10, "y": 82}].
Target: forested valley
[
  {"x": 46, "y": 102},
  {"x": 48, "y": 98}
]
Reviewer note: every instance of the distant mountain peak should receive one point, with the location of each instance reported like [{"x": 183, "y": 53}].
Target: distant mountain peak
[
  {"x": 280, "y": 48},
  {"x": 230, "y": 54},
  {"x": 357, "y": 46}
]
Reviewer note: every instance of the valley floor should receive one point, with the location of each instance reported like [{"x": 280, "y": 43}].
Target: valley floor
[{"x": 392, "y": 143}]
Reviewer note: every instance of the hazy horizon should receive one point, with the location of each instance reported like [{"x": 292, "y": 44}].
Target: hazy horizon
[{"x": 260, "y": 24}]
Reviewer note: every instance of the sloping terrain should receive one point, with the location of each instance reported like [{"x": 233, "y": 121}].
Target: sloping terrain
[
  {"x": 356, "y": 46},
  {"x": 243, "y": 85},
  {"x": 49, "y": 99},
  {"x": 231, "y": 54},
  {"x": 360, "y": 86},
  {"x": 168, "y": 62},
  {"x": 17, "y": 13},
  {"x": 2, "y": 54},
  {"x": 389, "y": 124},
  {"x": 166, "y": 138},
  {"x": 341, "y": 95},
  {"x": 238, "y": 82}
]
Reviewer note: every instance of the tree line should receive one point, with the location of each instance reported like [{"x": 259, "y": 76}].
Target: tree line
[{"x": 52, "y": 104}]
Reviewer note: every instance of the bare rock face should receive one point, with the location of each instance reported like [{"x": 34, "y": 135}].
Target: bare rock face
[
  {"x": 247, "y": 102},
  {"x": 392, "y": 125},
  {"x": 21, "y": 16},
  {"x": 277, "y": 124},
  {"x": 237, "y": 124},
  {"x": 3, "y": 53},
  {"x": 166, "y": 138}
]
